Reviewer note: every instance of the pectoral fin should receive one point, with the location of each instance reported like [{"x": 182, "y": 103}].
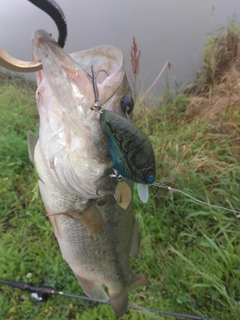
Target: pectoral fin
[
  {"x": 135, "y": 245},
  {"x": 90, "y": 218},
  {"x": 32, "y": 141}
]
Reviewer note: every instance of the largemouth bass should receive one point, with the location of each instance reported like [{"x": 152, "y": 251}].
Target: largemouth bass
[{"x": 95, "y": 234}]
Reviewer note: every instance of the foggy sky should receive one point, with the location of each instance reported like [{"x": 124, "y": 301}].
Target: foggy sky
[{"x": 174, "y": 30}]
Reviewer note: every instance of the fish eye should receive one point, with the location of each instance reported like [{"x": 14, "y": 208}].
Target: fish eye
[{"x": 127, "y": 104}]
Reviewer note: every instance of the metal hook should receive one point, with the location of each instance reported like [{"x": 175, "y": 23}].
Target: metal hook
[
  {"x": 97, "y": 104},
  {"x": 102, "y": 70},
  {"x": 95, "y": 90},
  {"x": 119, "y": 178}
]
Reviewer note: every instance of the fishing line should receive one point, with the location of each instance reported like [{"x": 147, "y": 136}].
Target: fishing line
[
  {"x": 41, "y": 294},
  {"x": 161, "y": 185},
  {"x": 127, "y": 145}
]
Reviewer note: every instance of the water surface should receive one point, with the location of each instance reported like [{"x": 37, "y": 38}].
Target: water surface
[{"x": 174, "y": 30}]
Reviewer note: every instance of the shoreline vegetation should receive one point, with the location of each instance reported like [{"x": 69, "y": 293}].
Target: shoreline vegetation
[{"x": 190, "y": 252}]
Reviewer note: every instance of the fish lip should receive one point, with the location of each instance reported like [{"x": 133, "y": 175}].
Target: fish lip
[
  {"x": 41, "y": 35},
  {"x": 41, "y": 38}
]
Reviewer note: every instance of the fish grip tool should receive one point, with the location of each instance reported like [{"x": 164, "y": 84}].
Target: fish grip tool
[{"x": 52, "y": 8}]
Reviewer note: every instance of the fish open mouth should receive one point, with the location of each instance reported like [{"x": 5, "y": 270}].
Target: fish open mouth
[{"x": 73, "y": 72}]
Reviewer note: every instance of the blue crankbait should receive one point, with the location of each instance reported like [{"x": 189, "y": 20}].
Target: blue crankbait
[{"x": 131, "y": 151}]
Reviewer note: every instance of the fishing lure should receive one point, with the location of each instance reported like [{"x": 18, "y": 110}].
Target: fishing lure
[{"x": 131, "y": 151}]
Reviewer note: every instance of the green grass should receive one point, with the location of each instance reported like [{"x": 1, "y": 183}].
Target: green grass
[{"x": 189, "y": 252}]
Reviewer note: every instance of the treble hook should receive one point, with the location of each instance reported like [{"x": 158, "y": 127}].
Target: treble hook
[
  {"x": 55, "y": 12},
  {"x": 97, "y": 104},
  {"x": 119, "y": 178}
]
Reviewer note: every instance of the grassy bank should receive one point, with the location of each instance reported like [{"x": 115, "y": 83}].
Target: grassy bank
[{"x": 189, "y": 252}]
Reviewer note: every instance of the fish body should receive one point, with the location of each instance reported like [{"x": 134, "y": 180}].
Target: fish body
[{"x": 72, "y": 158}]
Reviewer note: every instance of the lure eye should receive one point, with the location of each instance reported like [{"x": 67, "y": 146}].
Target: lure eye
[
  {"x": 150, "y": 178},
  {"x": 147, "y": 175},
  {"x": 127, "y": 104}
]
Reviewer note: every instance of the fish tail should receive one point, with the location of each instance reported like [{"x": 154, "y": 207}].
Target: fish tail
[{"x": 119, "y": 301}]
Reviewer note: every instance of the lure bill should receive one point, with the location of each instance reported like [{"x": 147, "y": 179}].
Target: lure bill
[
  {"x": 143, "y": 192},
  {"x": 95, "y": 234}
]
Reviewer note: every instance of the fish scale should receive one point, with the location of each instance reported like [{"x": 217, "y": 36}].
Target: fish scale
[{"x": 111, "y": 260}]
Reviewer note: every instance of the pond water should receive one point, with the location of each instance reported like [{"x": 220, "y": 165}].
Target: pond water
[{"x": 174, "y": 30}]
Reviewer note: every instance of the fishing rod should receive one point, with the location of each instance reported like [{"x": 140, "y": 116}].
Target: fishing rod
[{"x": 42, "y": 293}]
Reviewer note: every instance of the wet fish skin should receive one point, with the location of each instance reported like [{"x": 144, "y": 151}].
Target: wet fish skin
[{"x": 94, "y": 233}]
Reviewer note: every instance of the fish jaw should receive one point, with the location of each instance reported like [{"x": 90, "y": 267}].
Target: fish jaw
[
  {"x": 74, "y": 147},
  {"x": 70, "y": 75}
]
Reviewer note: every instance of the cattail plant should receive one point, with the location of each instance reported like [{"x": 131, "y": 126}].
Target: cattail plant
[{"x": 135, "y": 54}]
